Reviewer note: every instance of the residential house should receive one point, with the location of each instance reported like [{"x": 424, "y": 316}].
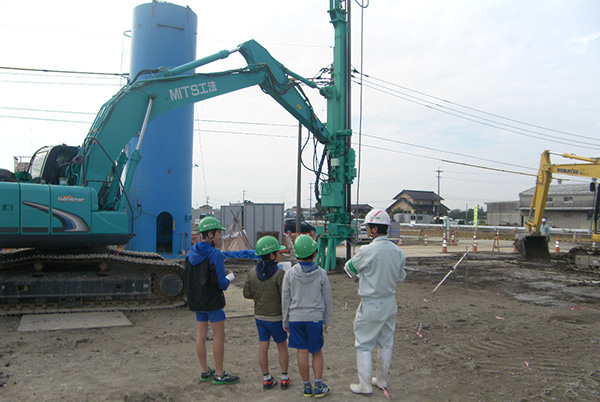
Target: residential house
[
  {"x": 360, "y": 210},
  {"x": 416, "y": 206}
]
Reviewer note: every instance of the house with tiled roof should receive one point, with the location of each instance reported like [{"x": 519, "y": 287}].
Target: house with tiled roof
[{"x": 417, "y": 206}]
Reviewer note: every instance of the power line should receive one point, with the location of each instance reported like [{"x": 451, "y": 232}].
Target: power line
[
  {"x": 51, "y": 75},
  {"x": 59, "y": 83},
  {"x": 360, "y": 113},
  {"x": 44, "y": 70},
  {"x": 374, "y": 86},
  {"x": 489, "y": 168},
  {"x": 45, "y": 110},
  {"x": 449, "y": 161},
  {"x": 443, "y": 151},
  {"x": 46, "y": 119},
  {"x": 290, "y": 136},
  {"x": 247, "y": 122},
  {"x": 202, "y": 162},
  {"x": 364, "y": 145},
  {"x": 480, "y": 111},
  {"x": 463, "y": 115},
  {"x": 245, "y": 133},
  {"x": 262, "y": 134},
  {"x": 195, "y": 120},
  {"x": 40, "y": 28}
]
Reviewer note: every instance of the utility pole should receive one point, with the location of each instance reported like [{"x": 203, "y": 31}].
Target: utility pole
[
  {"x": 438, "y": 193},
  {"x": 299, "y": 180},
  {"x": 243, "y": 208}
]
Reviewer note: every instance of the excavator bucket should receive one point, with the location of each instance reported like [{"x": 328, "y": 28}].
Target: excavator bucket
[{"x": 533, "y": 247}]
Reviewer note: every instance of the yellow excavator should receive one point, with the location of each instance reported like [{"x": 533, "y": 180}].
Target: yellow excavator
[{"x": 534, "y": 245}]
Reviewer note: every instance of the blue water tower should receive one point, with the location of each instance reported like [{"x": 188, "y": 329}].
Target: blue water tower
[{"x": 163, "y": 34}]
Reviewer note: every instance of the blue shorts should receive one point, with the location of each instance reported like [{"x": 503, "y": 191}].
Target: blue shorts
[
  {"x": 306, "y": 335},
  {"x": 212, "y": 316},
  {"x": 268, "y": 329}
]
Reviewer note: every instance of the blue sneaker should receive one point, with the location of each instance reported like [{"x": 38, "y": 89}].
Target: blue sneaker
[
  {"x": 321, "y": 391},
  {"x": 307, "y": 390}
]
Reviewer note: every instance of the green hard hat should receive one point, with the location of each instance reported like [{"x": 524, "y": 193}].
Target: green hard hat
[
  {"x": 267, "y": 245},
  {"x": 209, "y": 223},
  {"x": 304, "y": 246}
]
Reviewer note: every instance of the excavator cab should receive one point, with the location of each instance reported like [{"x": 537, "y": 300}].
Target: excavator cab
[{"x": 48, "y": 164}]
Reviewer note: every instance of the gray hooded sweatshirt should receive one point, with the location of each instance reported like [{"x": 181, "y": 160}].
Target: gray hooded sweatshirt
[{"x": 306, "y": 296}]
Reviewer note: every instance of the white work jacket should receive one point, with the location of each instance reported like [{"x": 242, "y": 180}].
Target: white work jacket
[{"x": 380, "y": 267}]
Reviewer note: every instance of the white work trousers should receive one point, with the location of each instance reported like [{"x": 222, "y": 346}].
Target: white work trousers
[{"x": 375, "y": 323}]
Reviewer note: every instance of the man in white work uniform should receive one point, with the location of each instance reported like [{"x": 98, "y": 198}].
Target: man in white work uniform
[
  {"x": 545, "y": 229},
  {"x": 380, "y": 268}
]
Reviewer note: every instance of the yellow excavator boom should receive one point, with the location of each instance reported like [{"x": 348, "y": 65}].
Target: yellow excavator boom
[
  {"x": 533, "y": 245},
  {"x": 540, "y": 196}
]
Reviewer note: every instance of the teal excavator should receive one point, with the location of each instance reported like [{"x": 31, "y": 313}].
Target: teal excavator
[{"x": 73, "y": 205}]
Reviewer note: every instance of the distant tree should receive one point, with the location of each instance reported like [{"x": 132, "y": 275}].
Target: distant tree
[
  {"x": 459, "y": 214},
  {"x": 456, "y": 214},
  {"x": 481, "y": 215}
]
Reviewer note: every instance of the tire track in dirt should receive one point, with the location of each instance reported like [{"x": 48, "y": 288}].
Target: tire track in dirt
[{"x": 545, "y": 359}]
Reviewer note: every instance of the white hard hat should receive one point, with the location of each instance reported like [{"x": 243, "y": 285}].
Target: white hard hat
[
  {"x": 377, "y": 217},
  {"x": 544, "y": 220}
]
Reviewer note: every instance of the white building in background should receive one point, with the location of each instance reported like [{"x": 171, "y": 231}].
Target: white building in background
[
  {"x": 569, "y": 206},
  {"x": 504, "y": 213}
]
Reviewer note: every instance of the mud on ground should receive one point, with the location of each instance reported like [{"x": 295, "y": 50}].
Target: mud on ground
[{"x": 498, "y": 329}]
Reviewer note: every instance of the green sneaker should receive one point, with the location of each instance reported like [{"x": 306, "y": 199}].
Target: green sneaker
[
  {"x": 226, "y": 379},
  {"x": 206, "y": 375},
  {"x": 321, "y": 391}
]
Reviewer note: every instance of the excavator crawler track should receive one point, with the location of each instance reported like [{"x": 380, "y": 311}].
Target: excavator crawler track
[
  {"x": 105, "y": 279},
  {"x": 585, "y": 259}
]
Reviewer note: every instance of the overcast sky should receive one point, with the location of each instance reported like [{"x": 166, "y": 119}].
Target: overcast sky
[{"x": 527, "y": 71}]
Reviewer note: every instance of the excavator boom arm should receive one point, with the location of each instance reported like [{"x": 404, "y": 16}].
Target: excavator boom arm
[
  {"x": 122, "y": 117},
  {"x": 540, "y": 196}
]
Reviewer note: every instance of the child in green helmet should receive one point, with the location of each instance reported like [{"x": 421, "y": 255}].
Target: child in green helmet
[
  {"x": 307, "y": 311},
  {"x": 263, "y": 285},
  {"x": 205, "y": 281}
]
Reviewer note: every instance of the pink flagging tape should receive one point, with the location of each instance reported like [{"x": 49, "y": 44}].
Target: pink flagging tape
[
  {"x": 500, "y": 318},
  {"x": 576, "y": 307},
  {"x": 419, "y": 331},
  {"x": 345, "y": 307},
  {"x": 387, "y": 394}
]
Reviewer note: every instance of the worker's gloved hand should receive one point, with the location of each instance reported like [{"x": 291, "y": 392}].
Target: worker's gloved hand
[{"x": 350, "y": 269}]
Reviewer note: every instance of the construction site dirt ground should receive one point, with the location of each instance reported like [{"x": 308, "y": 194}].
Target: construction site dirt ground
[{"x": 498, "y": 329}]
